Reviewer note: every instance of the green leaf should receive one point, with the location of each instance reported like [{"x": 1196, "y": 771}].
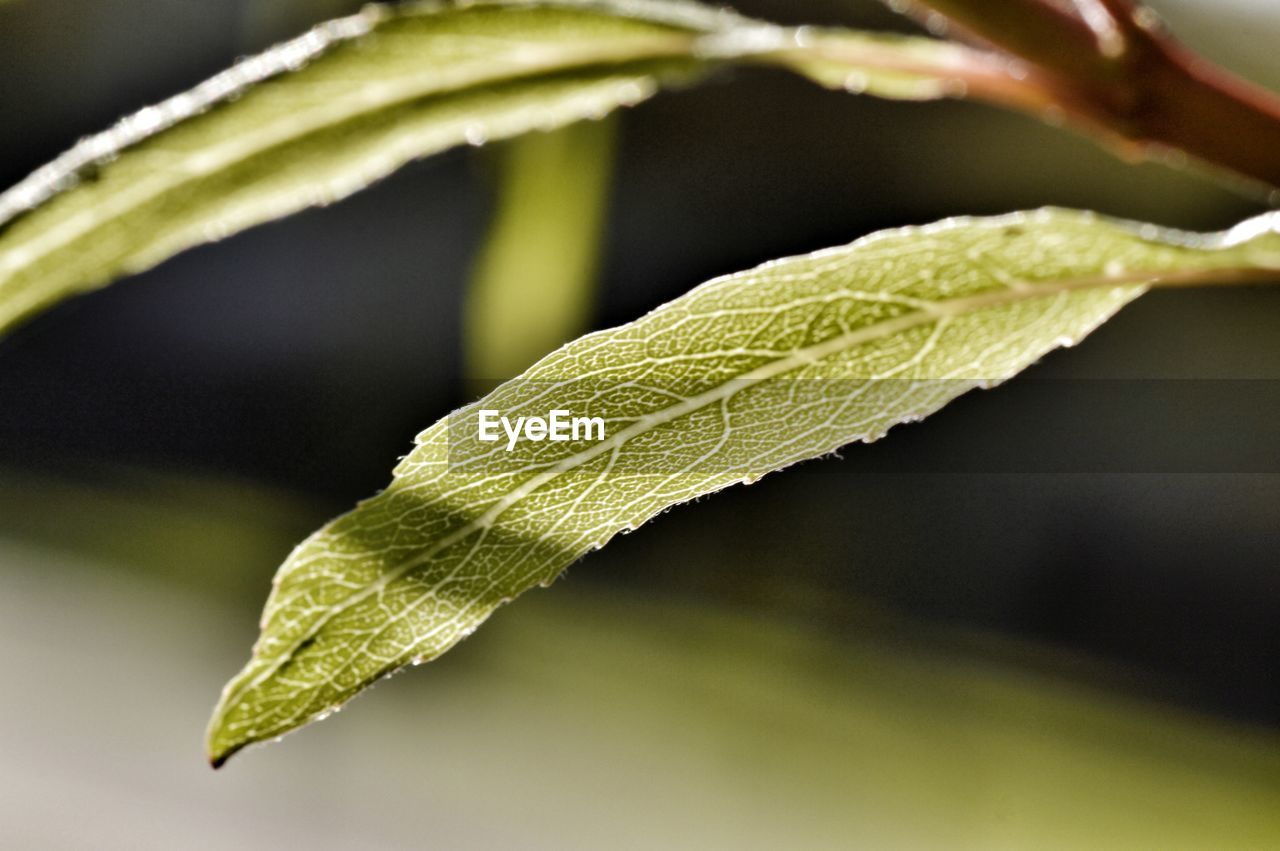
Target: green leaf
[
  {"x": 742, "y": 376},
  {"x": 320, "y": 117},
  {"x": 258, "y": 142},
  {"x": 533, "y": 284}
]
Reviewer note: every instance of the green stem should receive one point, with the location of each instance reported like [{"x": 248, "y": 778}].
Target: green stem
[{"x": 533, "y": 285}]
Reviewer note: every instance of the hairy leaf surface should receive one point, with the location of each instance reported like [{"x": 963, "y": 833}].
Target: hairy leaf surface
[
  {"x": 320, "y": 117},
  {"x": 742, "y": 376}
]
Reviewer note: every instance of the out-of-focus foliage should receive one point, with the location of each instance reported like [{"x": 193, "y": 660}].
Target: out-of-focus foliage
[
  {"x": 532, "y": 287},
  {"x": 670, "y": 722}
]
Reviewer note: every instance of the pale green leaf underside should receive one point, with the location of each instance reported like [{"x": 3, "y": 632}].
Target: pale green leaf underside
[
  {"x": 320, "y": 117},
  {"x": 742, "y": 376}
]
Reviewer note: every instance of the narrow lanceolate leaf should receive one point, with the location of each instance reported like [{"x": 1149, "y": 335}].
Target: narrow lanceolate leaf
[
  {"x": 322, "y": 116},
  {"x": 262, "y": 140},
  {"x": 742, "y": 376}
]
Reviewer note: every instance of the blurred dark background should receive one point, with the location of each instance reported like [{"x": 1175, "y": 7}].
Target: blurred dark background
[{"x": 1111, "y": 520}]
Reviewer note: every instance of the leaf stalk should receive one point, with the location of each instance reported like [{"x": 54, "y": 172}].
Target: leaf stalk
[{"x": 1112, "y": 68}]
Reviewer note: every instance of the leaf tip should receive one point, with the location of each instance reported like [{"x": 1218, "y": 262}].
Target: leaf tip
[
  {"x": 223, "y": 738},
  {"x": 218, "y": 746}
]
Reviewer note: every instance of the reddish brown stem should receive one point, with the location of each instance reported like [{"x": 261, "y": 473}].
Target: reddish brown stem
[{"x": 1138, "y": 85}]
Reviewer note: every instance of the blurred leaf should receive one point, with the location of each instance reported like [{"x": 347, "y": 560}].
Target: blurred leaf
[
  {"x": 320, "y": 117},
  {"x": 532, "y": 287},
  {"x": 742, "y": 376}
]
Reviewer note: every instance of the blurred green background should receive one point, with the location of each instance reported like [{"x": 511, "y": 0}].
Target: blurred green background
[{"x": 1046, "y": 617}]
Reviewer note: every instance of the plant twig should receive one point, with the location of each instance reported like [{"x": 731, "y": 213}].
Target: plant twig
[{"x": 1111, "y": 67}]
